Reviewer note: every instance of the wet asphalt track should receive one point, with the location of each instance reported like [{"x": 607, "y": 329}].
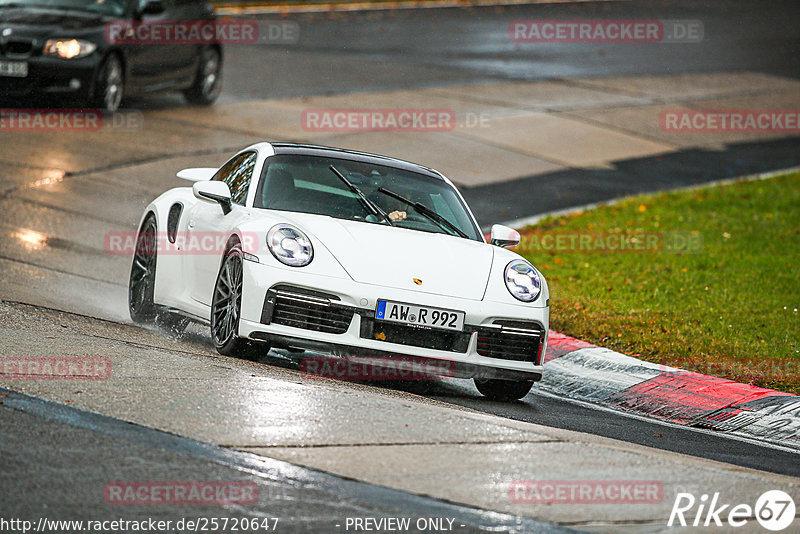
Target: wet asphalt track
[
  {"x": 353, "y": 52},
  {"x": 58, "y": 461},
  {"x": 359, "y": 52},
  {"x": 380, "y": 50}
]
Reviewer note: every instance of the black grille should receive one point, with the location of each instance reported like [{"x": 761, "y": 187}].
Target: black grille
[
  {"x": 511, "y": 340},
  {"x": 426, "y": 338},
  {"x": 306, "y": 309}
]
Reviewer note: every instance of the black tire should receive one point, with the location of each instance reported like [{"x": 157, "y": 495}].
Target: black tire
[
  {"x": 109, "y": 87},
  {"x": 207, "y": 84},
  {"x": 142, "y": 281},
  {"x": 503, "y": 390},
  {"x": 226, "y": 305}
]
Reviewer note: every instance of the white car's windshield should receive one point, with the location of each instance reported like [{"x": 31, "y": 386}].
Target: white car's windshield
[{"x": 307, "y": 184}]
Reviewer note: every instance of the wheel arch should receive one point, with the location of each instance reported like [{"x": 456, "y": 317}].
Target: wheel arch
[
  {"x": 169, "y": 267},
  {"x": 233, "y": 239}
]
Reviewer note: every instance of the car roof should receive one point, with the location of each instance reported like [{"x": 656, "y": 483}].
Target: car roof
[{"x": 342, "y": 153}]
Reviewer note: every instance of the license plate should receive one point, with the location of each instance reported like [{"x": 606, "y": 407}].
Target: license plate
[
  {"x": 15, "y": 69},
  {"x": 425, "y": 316}
]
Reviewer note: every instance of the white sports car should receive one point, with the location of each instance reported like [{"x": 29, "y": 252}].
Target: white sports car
[{"x": 366, "y": 257}]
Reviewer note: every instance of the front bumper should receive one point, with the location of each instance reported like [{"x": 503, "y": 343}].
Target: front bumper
[
  {"x": 340, "y": 318},
  {"x": 52, "y": 76}
]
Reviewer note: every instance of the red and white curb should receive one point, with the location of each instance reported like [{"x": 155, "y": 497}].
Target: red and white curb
[
  {"x": 596, "y": 375},
  {"x": 586, "y": 372}
]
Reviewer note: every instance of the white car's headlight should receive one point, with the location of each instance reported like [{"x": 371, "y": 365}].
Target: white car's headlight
[
  {"x": 289, "y": 245},
  {"x": 68, "y": 48},
  {"x": 522, "y": 281}
]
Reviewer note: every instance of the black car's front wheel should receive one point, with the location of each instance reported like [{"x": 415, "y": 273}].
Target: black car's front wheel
[
  {"x": 110, "y": 85},
  {"x": 226, "y": 306},
  {"x": 208, "y": 80},
  {"x": 503, "y": 390}
]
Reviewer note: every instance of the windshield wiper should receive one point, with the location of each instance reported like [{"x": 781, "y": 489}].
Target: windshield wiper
[
  {"x": 427, "y": 212},
  {"x": 371, "y": 207}
]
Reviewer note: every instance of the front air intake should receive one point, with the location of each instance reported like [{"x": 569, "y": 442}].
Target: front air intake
[
  {"x": 511, "y": 340},
  {"x": 309, "y": 310}
]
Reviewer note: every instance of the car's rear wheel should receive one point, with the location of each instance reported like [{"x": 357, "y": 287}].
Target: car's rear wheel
[
  {"x": 110, "y": 85},
  {"x": 503, "y": 390},
  {"x": 208, "y": 80},
  {"x": 226, "y": 306},
  {"x": 142, "y": 282}
]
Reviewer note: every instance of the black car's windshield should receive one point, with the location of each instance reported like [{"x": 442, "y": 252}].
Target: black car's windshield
[
  {"x": 306, "y": 184},
  {"x": 105, "y": 7}
]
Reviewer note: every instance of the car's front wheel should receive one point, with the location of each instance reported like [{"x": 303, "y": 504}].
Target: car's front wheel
[
  {"x": 226, "y": 306},
  {"x": 503, "y": 390},
  {"x": 109, "y": 85},
  {"x": 208, "y": 80}
]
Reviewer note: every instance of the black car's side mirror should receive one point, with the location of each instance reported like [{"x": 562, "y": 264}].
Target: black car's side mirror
[{"x": 151, "y": 7}]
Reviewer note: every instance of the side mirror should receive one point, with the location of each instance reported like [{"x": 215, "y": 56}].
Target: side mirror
[
  {"x": 214, "y": 192},
  {"x": 503, "y": 236},
  {"x": 151, "y": 7}
]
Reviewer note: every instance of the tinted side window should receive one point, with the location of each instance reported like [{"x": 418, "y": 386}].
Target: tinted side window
[
  {"x": 237, "y": 174},
  {"x": 225, "y": 170}
]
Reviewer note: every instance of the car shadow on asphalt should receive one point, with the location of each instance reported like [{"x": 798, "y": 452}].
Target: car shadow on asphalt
[{"x": 436, "y": 388}]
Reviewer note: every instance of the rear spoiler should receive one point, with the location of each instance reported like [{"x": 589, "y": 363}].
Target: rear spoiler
[{"x": 199, "y": 174}]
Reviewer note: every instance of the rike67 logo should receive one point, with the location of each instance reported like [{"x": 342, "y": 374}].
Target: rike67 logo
[{"x": 774, "y": 510}]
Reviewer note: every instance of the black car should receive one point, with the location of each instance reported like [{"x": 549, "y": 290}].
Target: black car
[{"x": 63, "y": 48}]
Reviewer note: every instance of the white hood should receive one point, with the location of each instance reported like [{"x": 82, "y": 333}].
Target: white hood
[{"x": 393, "y": 257}]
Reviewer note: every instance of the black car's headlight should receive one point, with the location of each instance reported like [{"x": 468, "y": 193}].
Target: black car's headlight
[
  {"x": 68, "y": 48},
  {"x": 522, "y": 281},
  {"x": 289, "y": 245}
]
